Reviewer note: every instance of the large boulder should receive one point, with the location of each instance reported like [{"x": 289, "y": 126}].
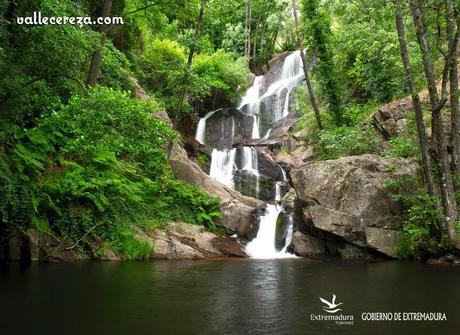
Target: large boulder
[
  {"x": 347, "y": 198},
  {"x": 308, "y": 246},
  {"x": 185, "y": 241},
  {"x": 227, "y": 126},
  {"x": 236, "y": 208}
]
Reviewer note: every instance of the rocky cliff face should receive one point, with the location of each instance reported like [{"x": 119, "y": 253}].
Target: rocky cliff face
[
  {"x": 238, "y": 211},
  {"x": 346, "y": 200}
]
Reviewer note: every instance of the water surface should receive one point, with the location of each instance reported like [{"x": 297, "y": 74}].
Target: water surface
[{"x": 222, "y": 297}]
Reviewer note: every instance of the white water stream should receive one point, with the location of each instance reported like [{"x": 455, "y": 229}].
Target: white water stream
[{"x": 223, "y": 164}]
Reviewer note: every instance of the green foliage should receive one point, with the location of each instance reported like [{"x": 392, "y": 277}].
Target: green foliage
[
  {"x": 220, "y": 71},
  {"x": 96, "y": 167},
  {"x": 131, "y": 247},
  {"x": 402, "y": 147},
  {"x": 183, "y": 202},
  {"x": 346, "y": 141},
  {"x": 161, "y": 70},
  {"x": 418, "y": 235},
  {"x": 319, "y": 41},
  {"x": 202, "y": 160},
  {"x": 46, "y": 63},
  {"x": 15, "y": 200},
  {"x": 421, "y": 235},
  {"x": 114, "y": 68},
  {"x": 367, "y": 51}
]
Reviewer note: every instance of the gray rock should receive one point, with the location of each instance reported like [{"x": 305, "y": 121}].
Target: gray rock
[
  {"x": 236, "y": 208},
  {"x": 382, "y": 239},
  {"x": 305, "y": 154},
  {"x": 347, "y": 197},
  {"x": 31, "y": 245},
  {"x": 186, "y": 241},
  {"x": 351, "y": 252},
  {"x": 308, "y": 246},
  {"x": 390, "y": 120}
]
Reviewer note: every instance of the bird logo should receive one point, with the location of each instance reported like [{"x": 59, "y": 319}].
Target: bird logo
[{"x": 331, "y": 306}]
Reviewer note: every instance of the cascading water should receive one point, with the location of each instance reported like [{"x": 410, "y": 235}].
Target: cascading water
[
  {"x": 276, "y": 98},
  {"x": 250, "y": 100},
  {"x": 201, "y": 128},
  {"x": 263, "y": 245},
  {"x": 250, "y": 164},
  {"x": 224, "y": 165}
]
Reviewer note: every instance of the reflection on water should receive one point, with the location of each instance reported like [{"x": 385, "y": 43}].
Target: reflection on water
[{"x": 221, "y": 297}]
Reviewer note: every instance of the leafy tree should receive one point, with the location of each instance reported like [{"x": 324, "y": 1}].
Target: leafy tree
[{"x": 319, "y": 39}]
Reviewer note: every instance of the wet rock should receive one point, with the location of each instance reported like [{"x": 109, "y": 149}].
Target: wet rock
[
  {"x": 248, "y": 229},
  {"x": 109, "y": 255},
  {"x": 52, "y": 250},
  {"x": 308, "y": 246},
  {"x": 283, "y": 223},
  {"x": 228, "y": 247},
  {"x": 227, "y": 126},
  {"x": 346, "y": 197},
  {"x": 236, "y": 208},
  {"x": 353, "y": 253}
]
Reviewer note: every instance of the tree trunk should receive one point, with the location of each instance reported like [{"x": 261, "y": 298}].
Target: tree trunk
[
  {"x": 311, "y": 94},
  {"x": 422, "y": 137},
  {"x": 96, "y": 59},
  {"x": 246, "y": 21},
  {"x": 453, "y": 88},
  {"x": 263, "y": 45},
  {"x": 446, "y": 184},
  {"x": 270, "y": 48},
  {"x": 189, "y": 62},
  {"x": 249, "y": 31},
  {"x": 254, "y": 48}
]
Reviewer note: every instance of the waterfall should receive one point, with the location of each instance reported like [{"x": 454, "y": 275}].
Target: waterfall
[
  {"x": 250, "y": 164},
  {"x": 252, "y": 94},
  {"x": 275, "y": 100},
  {"x": 289, "y": 234},
  {"x": 291, "y": 76},
  {"x": 222, "y": 165},
  {"x": 263, "y": 245},
  {"x": 250, "y": 100},
  {"x": 292, "y": 66},
  {"x": 268, "y": 133},
  {"x": 201, "y": 128},
  {"x": 278, "y": 191}
]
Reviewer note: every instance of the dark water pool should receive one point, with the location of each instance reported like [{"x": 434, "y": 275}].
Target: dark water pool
[{"x": 223, "y": 297}]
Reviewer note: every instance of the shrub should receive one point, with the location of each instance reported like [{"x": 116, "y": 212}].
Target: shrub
[
  {"x": 161, "y": 69},
  {"x": 222, "y": 71},
  {"x": 98, "y": 166},
  {"x": 421, "y": 235},
  {"x": 346, "y": 141},
  {"x": 402, "y": 147},
  {"x": 114, "y": 68}
]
